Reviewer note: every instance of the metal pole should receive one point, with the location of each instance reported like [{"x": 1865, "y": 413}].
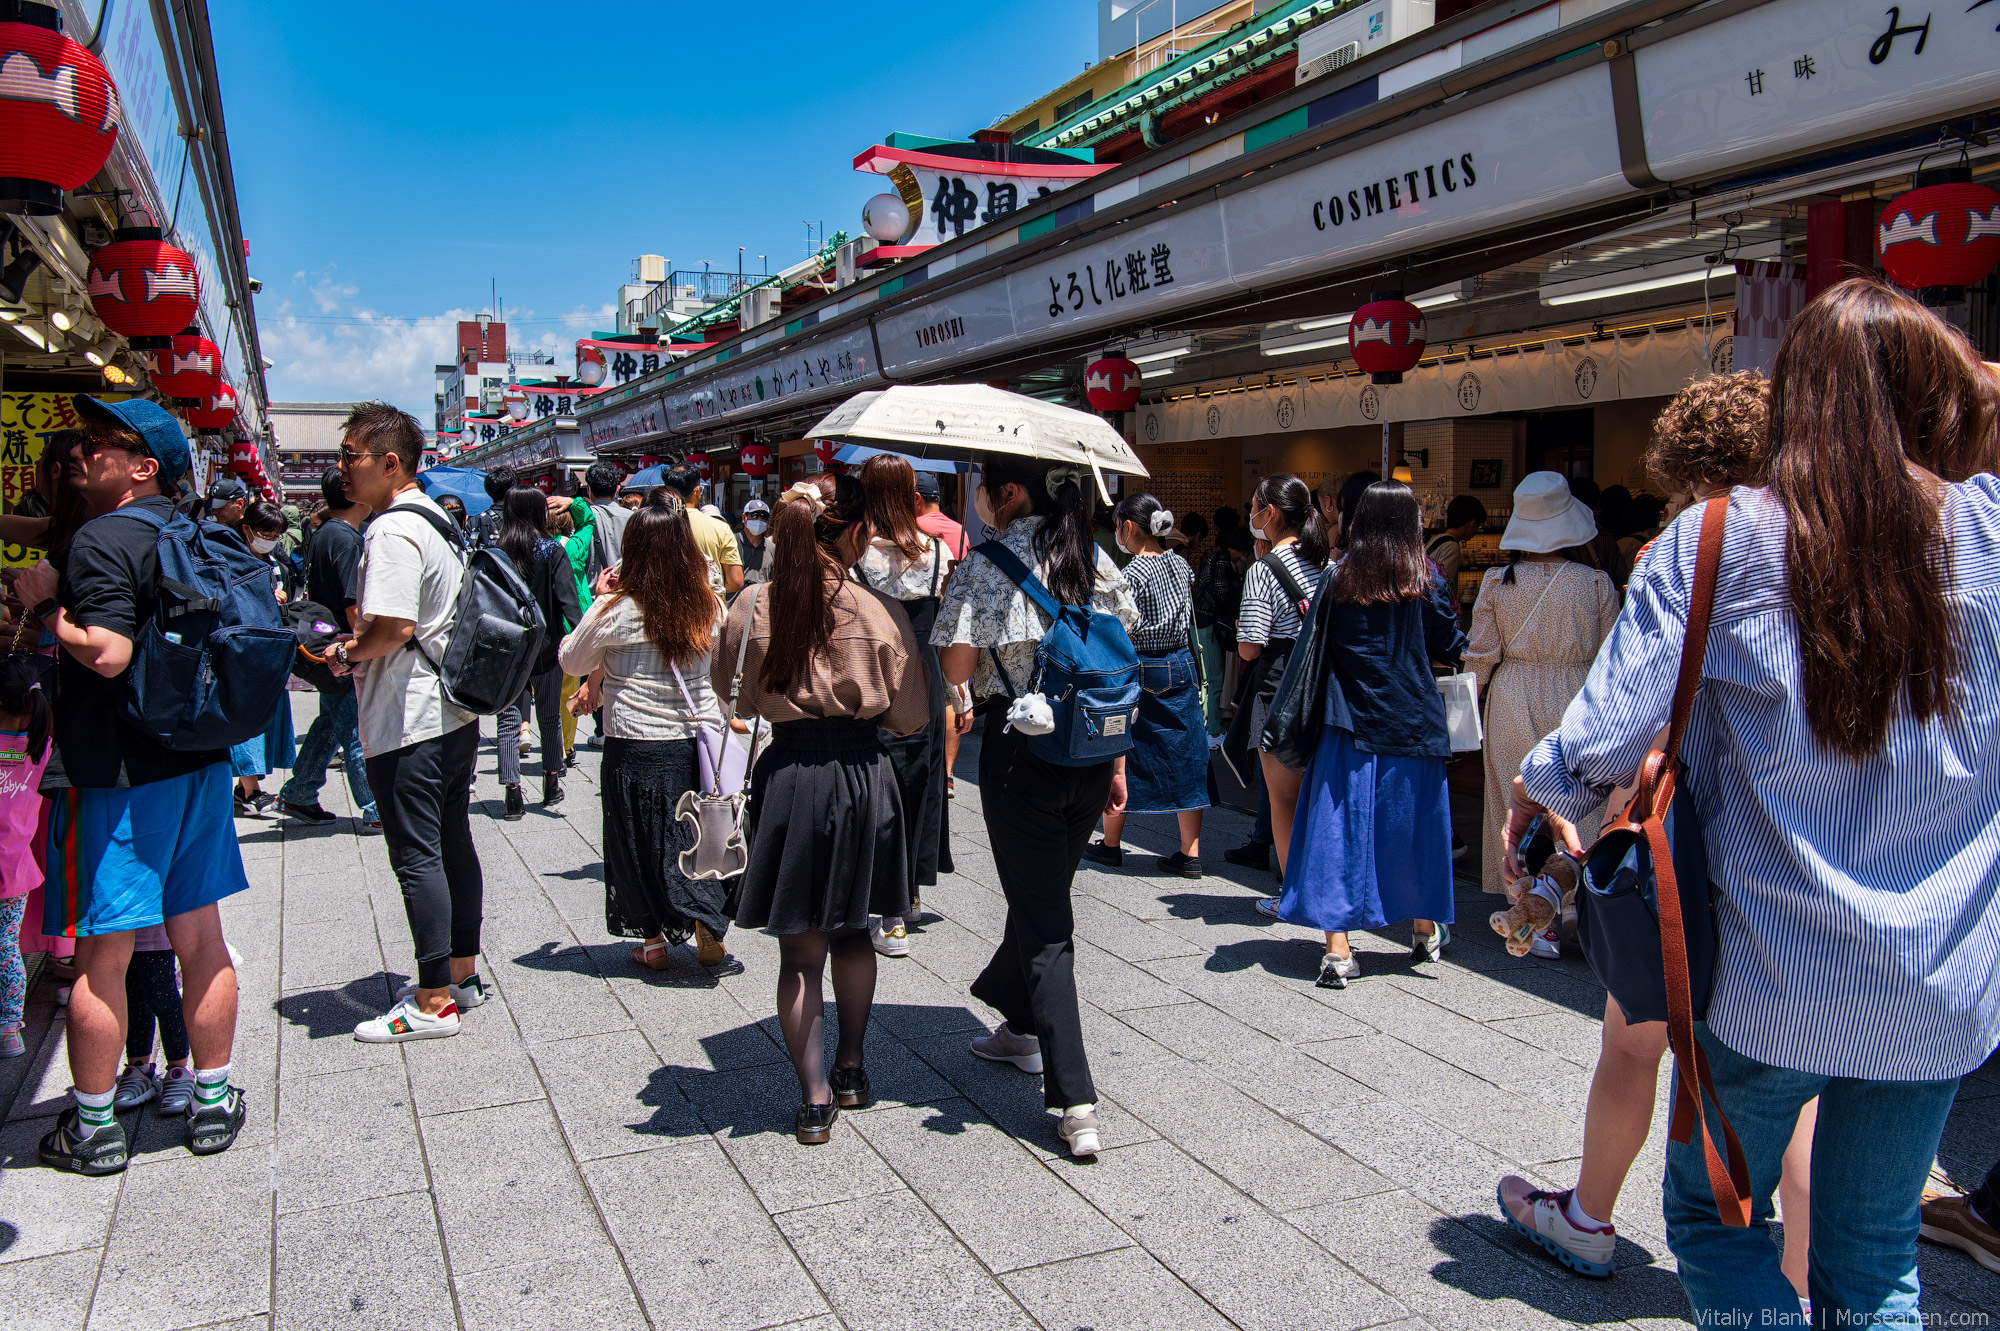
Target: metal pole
[{"x": 1388, "y": 464}]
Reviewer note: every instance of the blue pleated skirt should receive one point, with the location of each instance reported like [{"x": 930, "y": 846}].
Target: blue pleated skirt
[
  {"x": 1371, "y": 840},
  {"x": 1166, "y": 770},
  {"x": 272, "y": 751}
]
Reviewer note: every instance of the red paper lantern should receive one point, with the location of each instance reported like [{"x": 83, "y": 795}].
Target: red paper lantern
[
  {"x": 825, "y": 450},
  {"x": 1387, "y": 337},
  {"x": 1940, "y": 236},
  {"x": 699, "y": 461},
  {"x": 243, "y": 459},
  {"x": 589, "y": 365},
  {"x": 190, "y": 369},
  {"x": 144, "y": 288},
  {"x": 1112, "y": 384},
  {"x": 754, "y": 460},
  {"x": 544, "y": 484},
  {"x": 649, "y": 460},
  {"x": 58, "y": 113},
  {"x": 216, "y": 411}
]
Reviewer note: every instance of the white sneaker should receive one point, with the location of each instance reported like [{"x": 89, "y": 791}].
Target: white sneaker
[
  {"x": 1006, "y": 1046},
  {"x": 136, "y": 1085},
  {"x": 1335, "y": 972},
  {"x": 1079, "y": 1131},
  {"x": 1541, "y": 1217},
  {"x": 1547, "y": 943},
  {"x": 468, "y": 995},
  {"x": 406, "y": 1021},
  {"x": 1430, "y": 946},
  {"x": 892, "y": 941},
  {"x": 177, "y": 1091}
]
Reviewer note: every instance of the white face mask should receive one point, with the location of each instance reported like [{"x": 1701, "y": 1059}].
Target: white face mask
[
  {"x": 983, "y": 506},
  {"x": 264, "y": 545},
  {"x": 756, "y": 526}
]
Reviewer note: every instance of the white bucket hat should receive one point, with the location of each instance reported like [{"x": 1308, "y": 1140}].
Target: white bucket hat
[{"x": 1547, "y": 517}]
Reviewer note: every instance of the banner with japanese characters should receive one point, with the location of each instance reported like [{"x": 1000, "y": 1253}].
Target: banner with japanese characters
[
  {"x": 948, "y": 196},
  {"x": 625, "y": 361},
  {"x": 26, "y": 422},
  {"x": 816, "y": 370}
]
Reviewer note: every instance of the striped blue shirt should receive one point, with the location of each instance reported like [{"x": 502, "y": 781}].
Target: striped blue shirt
[{"x": 1855, "y": 901}]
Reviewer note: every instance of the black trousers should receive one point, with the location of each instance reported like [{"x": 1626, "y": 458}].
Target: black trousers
[
  {"x": 423, "y": 793},
  {"x": 1039, "y": 818},
  {"x": 544, "y": 694},
  {"x": 1986, "y": 1197}
]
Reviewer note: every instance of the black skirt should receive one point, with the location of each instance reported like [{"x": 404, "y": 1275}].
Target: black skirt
[
  {"x": 1255, "y": 693},
  {"x": 644, "y": 892},
  {"x": 827, "y": 847}
]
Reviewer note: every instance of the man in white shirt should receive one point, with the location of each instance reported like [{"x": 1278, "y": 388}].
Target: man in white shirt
[{"x": 420, "y": 748}]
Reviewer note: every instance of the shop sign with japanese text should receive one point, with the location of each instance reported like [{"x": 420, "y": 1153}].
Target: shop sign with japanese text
[
  {"x": 639, "y": 420},
  {"x": 829, "y": 366},
  {"x": 949, "y": 196}
]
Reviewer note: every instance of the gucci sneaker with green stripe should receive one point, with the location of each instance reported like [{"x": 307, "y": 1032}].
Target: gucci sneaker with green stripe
[{"x": 406, "y": 1021}]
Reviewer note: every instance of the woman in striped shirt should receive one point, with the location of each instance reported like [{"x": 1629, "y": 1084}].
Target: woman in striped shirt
[
  {"x": 1275, "y": 590},
  {"x": 1839, "y": 758}
]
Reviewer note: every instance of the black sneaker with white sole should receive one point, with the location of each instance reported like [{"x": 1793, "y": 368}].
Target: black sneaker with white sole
[
  {"x": 103, "y": 1152},
  {"x": 305, "y": 813},
  {"x": 212, "y": 1128}
]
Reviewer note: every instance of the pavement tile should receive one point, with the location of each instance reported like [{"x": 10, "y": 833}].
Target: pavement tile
[
  {"x": 1120, "y": 934},
  {"x": 324, "y": 954},
  {"x": 1126, "y": 1290},
  {"x": 1001, "y": 1200},
  {"x": 44, "y": 1212},
  {"x": 48, "y": 1293},
  {"x": 703, "y": 1252},
  {"x": 1460, "y": 1041},
  {"x": 1013, "y": 1100},
  {"x": 1277, "y": 1008},
  {"x": 485, "y": 1064},
  {"x": 1115, "y": 985},
  {"x": 613, "y": 1095},
  {"x": 886, "y": 1264},
  {"x": 695, "y": 1024},
  {"x": 507, "y": 1168},
  {"x": 345, "y": 1138},
  {"x": 1448, "y": 1171},
  {"x": 159, "y": 1258},
  {"x": 751, "y": 1112},
  {"x": 913, "y": 1003},
  {"x": 316, "y": 1030},
  {"x": 330, "y": 1267},
  {"x": 1562, "y": 1033},
  {"x": 1239, "y": 1257},
  {"x": 1274, "y": 1074},
  {"x": 574, "y": 1290}
]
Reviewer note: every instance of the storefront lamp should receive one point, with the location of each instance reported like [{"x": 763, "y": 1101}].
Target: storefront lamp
[
  {"x": 58, "y": 112},
  {"x": 1387, "y": 337},
  {"x": 1940, "y": 236},
  {"x": 888, "y": 219}
]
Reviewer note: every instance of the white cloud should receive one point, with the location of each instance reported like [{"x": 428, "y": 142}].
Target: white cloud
[{"x": 327, "y": 345}]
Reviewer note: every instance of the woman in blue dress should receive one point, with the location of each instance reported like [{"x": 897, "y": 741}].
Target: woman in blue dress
[
  {"x": 262, "y": 528},
  {"x": 1371, "y": 841}
]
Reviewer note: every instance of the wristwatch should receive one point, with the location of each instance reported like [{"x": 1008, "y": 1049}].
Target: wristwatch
[
  {"x": 44, "y": 609},
  {"x": 339, "y": 649}
]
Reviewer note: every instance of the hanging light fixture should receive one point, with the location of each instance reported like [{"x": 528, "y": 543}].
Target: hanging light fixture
[
  {"x": 100, "y": 352},
  {"x": 58, "y": 111}
]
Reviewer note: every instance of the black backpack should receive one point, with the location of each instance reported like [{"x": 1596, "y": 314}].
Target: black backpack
[
  {"x": 496, "y": 633},
  {"x": 314, "y": 629}
]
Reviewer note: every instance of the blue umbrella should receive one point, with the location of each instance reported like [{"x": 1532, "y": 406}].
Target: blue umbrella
[
  {"x": 856, "y": 454},
  {"x": 644, "y": 479},
  {"x": 467, "y": 484}
]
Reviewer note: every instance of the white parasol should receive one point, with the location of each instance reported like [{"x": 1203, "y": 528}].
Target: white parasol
[{"x": 957, "y": 420}]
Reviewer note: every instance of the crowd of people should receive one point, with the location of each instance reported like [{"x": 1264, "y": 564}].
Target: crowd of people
[{"x": 780, "y": 707}]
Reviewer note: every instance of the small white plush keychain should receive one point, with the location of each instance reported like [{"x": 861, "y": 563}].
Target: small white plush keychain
[{"x": 1030, "y": 714}]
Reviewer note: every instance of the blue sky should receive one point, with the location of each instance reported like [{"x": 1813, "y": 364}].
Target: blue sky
[{"x": 393, "y": 160}]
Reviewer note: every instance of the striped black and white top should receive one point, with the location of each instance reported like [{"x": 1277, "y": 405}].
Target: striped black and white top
[
  {"x": 1269, "y": 614},
  {"x": 1163, "y": 585},
  {"x": 1859, "y": 935}
]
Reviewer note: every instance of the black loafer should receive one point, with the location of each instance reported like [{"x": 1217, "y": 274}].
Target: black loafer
[
  {"x": 1179, "y": 865},
  {"x": 1251, "y": 855},
  {"x": 850, "y": 1088},
  {"x": 213, "y": 1130},
  {"x": 815, "y": 1123},
  {"x": 102, "y": 1152},
  {"x": 1099, "y": 853},
  {"x": 517, "y": 807}
]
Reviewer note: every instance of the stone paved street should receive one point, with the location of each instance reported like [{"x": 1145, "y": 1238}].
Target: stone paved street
[{"x": 606, "y": 1147}]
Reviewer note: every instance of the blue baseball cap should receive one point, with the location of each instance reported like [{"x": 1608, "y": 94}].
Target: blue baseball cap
[{"x": 150, "y": 421}]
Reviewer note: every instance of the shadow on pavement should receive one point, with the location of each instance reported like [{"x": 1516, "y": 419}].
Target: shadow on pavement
[{"x": 1489, "y": 1261}]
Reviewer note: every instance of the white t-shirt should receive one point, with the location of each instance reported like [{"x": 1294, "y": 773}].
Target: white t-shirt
[{"x": 408, "y": 571}]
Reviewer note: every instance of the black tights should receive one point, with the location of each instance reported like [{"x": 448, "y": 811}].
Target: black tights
[
  {"x": 151, "y": 995},
  {"x": 802, "y": 1005}
]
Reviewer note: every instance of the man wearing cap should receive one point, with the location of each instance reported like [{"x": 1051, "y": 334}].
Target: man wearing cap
[
  {"x": 333, "y": 576},
  {"x": 227, "y": 501},
  {"x": 145, "y": 831},
  {"x": 711, "y": 535},
  {"x": 750, "y": 542},
  {"x": 931, "y": 519}
]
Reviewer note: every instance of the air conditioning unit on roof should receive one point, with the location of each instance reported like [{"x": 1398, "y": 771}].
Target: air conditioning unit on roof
[{"x": 1361, "y": 31}]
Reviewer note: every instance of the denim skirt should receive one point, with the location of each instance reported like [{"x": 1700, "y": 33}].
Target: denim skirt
[{"x": 1167, "y": 768}]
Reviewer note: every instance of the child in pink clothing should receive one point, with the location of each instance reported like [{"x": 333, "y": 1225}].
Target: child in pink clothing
[{"x": 24, "y": 752}]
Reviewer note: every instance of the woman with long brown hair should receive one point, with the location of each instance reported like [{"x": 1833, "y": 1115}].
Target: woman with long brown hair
[
  {"x": 910, "y": 566},
  {"x": 1372, "y": 841},
  {"x": 1840, "y": 759},
  {"x": 643, "y": 648},
  {"x": 830, "y": 663}
]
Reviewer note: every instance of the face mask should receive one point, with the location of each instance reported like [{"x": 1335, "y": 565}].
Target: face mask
[
  {"x": 1258, "y": 532},
  {"x": 263, "y": 545},
  {"x": 755, "y": 527},
  {"x": 983, "y": 507}
]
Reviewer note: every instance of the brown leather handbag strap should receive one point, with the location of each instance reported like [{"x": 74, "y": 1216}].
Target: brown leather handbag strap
[{"x": 1729, "y": 1181}]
